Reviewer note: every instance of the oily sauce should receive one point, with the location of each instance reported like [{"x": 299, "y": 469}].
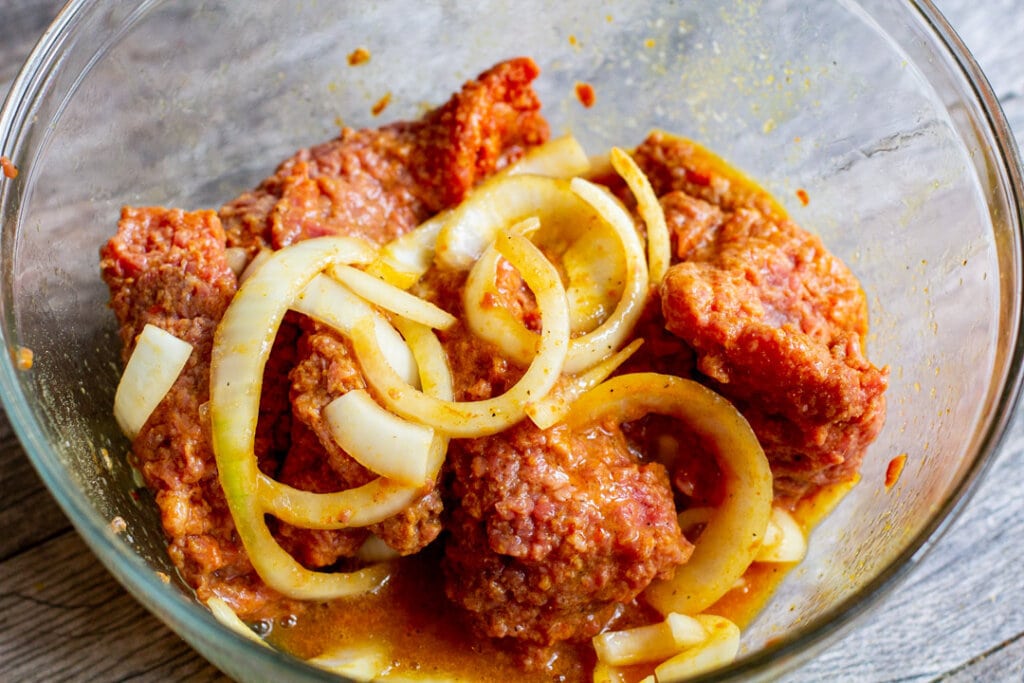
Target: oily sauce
[{"x": 424, "y": 634}]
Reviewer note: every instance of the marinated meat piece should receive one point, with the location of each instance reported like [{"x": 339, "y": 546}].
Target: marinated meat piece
[
  {"x": 327, "y": 369},
  {"x": 167, "y": 268},
  {"x": 553, "y": 529},
  {"x": 377, "y": 184},
  {"x": 777, "y": 324}
]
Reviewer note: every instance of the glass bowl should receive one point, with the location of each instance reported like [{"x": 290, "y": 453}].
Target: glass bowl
[{"x": 872, "y": 108}]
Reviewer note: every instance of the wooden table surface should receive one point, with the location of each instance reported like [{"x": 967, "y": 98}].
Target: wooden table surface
[{"x": 959, "y": 617}]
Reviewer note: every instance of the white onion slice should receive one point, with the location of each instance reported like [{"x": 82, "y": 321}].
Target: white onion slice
[
  {"x": 258, "y": 260},
  {"x": 379, "y": 440},
  {"x": 734, "y": 532},
  {"x": 659, "y": 247},
  {"x": 391, "y": 298},
  {"x": 241, "y": 346},
  {"x": 559, "y": 212},
  {"x": 784, "y": 540},
  {"x": 333, "y": 304},
  {"x": 154, "y": 366},
  {"x": 365, "y": 662},
  {"x": 406, "y": 258},
  {"x": 553, "y": 408},
  {"x": 650, "y": 643},
  {"x": 481, "y": 418},
  {"x": 719, "y": 649}
]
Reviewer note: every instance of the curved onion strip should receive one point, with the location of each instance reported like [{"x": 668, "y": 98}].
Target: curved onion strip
[
  {"x": 494, "y": 323},
  {"x": 405, "y": 259},
  {"x": 498, "y": 326},
  {"x": 380, "y": 498},
  {"x": 241, "y": 346},
  {"x": 336, "y": 306},
  {"x": 258, "y": 260},
  {"x": 431, "y": 359},
  {"x": 734, "y": 532},
  {"x": 591, "y": 348},
  {"x": 391, "y": 298},
  {"x": 238, "y": 259},
  {"x": 228, "y": 617},
  {"x": 489, "y": 416},
  {"x": 378, "y": 439},
  {"x": 494, "y": 206},
  {"x": 659, "y": 248},
  {"x": 556, "y": 405},
  {"x": 720, "y": 648},
  {"x": 152, "y": 369}
]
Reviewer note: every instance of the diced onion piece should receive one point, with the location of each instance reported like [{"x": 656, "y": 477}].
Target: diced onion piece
[
  {"x": 151, "y": 371},
  {"x": 391, "y": 298},
  {"x": 784, "y": 540},
  {"x": 241, "y": 346},
  {"x": 553, "y": 408},
  {"x": 237, "y": 258},
  {"x": 364, "y": 662},
  {"x": 719, "y": 649},
  {"x": 227, "y": 616},
  {"x": 659, "y": 247},
  {"x": 651, "y": 643},
  {"x": 497, "y": 205},
  {"x": 489, "y": 416},
  {"x": 333, "y": 304},
  {"x": 734, "y": 533},
  {"x": 379, "y": 440}
]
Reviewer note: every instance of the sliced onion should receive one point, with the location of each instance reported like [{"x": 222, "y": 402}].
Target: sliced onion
[
  {"x": 650, "y": 643},
  {"x": 719, "y": 649},
  {"x": 482, "y": 418},
  {"x": 562, "y": 157},
  {"x": 241, "y": 346},
  {"x": 405, "y": 259},
  {"x": 368, "y": 504},
  {"x": 379, "y": 440},
  {"x": 659, "y": 247},
  {"x": 784, "y": 540},
  {"x": 566, "y": 223},
  {"x": 391, "y": 298},
  {"x": 336, "y": 306},
  {"x": 228, "y": 617},
  {"x": 553, "y": 408},
  {"x": 154, "y": 366},
  {"x": 734, "y": 533}
]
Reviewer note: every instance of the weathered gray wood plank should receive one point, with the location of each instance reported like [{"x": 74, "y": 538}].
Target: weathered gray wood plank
[{"x": 64, "y": 618}]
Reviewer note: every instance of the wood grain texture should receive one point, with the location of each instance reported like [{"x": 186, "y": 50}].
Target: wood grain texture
[{"x": 957, "y": 617}]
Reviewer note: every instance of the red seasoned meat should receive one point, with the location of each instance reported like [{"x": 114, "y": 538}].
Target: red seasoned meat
[
  {"x": 377, "y": 184},
  {"x": 552, "y": 530},
  {"x": 167, "y": 268},
  {"x": 776, "y": 321}
]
